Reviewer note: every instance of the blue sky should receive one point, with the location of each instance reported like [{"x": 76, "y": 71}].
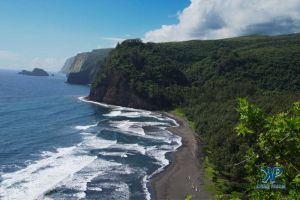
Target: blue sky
[{"x": 43, "y": 33}]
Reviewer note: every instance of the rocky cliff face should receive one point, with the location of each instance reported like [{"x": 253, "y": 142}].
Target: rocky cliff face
[
  {"x": 116, "y": 91},
  {"x": 82, "y": 68},
  {"x": 81, "y": 78},
  {"x": 79, "y": 60},
  {"x": 66, "y": 68}
]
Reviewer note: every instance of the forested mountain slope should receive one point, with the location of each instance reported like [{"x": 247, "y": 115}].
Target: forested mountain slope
[{"x": 203, "y": 79}]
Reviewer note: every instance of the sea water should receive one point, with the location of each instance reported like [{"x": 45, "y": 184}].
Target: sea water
[{"x": 54, "y": 144}]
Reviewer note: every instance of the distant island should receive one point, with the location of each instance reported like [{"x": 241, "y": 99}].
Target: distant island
[{"x": 35, "y": 72}]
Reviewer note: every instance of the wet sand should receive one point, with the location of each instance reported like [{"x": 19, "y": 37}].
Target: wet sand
[{"x": 185, "y": 173}]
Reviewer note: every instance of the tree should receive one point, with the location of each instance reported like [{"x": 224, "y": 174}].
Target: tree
[{"x": 274, "y": 141}]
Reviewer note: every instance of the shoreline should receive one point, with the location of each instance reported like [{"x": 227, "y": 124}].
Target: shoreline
[{"x": 184, "y": 175}]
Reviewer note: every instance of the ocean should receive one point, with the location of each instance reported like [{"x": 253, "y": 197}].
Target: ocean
[{"x": 56, "y": 145}]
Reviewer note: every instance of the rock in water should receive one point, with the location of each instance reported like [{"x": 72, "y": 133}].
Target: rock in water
[{"x": 35, "y": 72}]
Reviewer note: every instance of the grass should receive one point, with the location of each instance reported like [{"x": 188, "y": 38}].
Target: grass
[{"x": 178, "y": 112}]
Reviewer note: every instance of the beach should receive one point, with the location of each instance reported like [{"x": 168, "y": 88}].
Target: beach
[{"x": 185, "y": 173}]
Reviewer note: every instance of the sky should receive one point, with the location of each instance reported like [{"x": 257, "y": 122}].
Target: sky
[{"x": 44, "y": 33}]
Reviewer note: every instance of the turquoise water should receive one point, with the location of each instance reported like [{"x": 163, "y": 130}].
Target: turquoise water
[{"x": 55, "y": 145}]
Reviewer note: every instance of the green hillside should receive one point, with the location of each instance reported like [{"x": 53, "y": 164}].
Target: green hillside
[{"x": 204, "y": 79}]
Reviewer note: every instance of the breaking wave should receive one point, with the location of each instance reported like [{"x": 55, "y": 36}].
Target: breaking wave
[{"x": 99, "y": 165}]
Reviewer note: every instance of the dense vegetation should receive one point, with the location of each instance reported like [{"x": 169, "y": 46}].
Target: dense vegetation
[
  {"x": 273, "y": 140},
  {"x": 204, "y": 79}
]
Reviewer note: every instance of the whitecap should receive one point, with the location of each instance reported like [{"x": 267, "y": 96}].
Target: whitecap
[
  {"x": 98, "y": 189},
  {"x": 157, "y": 152},
  {"x": 131, "y": 147},
  {"x": 94, "y": 142},
  {"x": 55, "y": 168},
  {"x": 38, "y": 178},
  {"x": 85, "y": 127},
  {"x": 79, "y": 180},
  {"x": 129, "y": 113},
  {"x": 120, "y": 154}
]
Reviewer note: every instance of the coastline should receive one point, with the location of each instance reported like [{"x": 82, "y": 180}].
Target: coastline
[{"x": 184, "y": 175}]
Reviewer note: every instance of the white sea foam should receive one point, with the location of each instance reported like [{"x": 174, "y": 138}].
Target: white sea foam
[
  {"x": 74, "y": 167},
  {"x": 121, "y": 112},
  {"x": 146, "y": 191},
  {"x": 117, "y": 110},
  {"x": 128, "y": 126},
  {"x": 85, "y": 127},
  {"x": 160, "y": 156},
  {"x": 131, "y": 147},
  {"x": 93, "y": 102},
  {"x": 136, "y": 128},
  {"x": 38, "y": 178},
  {"x": 78, "y": 181},
  {"x": 120, "y": 154},
  {"x": 93, "y": 142},
  {"x": 56, "y": 168},
  {"x": 114, "y": 113},
  {"x": 124, "y": 169},
  {"x": 121, "y": 190},
  {"x": 178, "y": 140},
  {"x": 98, "y": 189},
  {"x": 157, "y": 152},
  {"x": 107, "y": 105}
]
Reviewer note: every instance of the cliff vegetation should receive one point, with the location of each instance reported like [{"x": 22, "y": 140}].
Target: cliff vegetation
[{"x": 204, "y": 79}]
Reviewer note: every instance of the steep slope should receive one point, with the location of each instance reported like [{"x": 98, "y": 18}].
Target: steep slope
[
  {"x": 203, "y": 79},
  {"x": 67, "y": 65},
  {"x": 82, "y": 68},
  {"x": 79, "y": 60},
  {"x": 154, "y": 71}
]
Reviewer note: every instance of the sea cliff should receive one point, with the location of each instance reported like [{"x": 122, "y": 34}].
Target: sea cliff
[
  {"x": 82, "y": 68},
  {"x": 203, "y": 80}
]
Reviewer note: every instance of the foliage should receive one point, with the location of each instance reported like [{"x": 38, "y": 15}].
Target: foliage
[
  {"x": 203, "y": 79},
  {"x": 188, "y": 197},
  {"x": 277, "y": 143}
]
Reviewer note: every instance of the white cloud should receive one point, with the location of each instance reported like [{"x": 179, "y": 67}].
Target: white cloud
[
  {"x": 8, "y": 55},
  {"x": 47, "y": 63},
  {"x": 213, "y": 19}
]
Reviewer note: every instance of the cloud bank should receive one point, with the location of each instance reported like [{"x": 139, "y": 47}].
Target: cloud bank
[{"x": 214, "y": 19}]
